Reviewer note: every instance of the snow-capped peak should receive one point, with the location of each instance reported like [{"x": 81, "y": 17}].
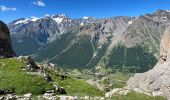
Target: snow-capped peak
[
  {"x": 34, "y": 18},
  {"x": 130, "y": 22},
  {"x": 24, "y": 21},
  {"x": 85, "y": 17},
  {"x": 27, "y": 20},
  {"x": 62, "y": 15},
  {"x": 58, "y": 18},
  {"x": 168, "y": 10}
]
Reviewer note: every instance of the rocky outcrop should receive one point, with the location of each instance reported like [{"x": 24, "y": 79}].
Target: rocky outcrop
[
  {"x": 157, "y": 80},
  {"x": 5, "y": 42}
]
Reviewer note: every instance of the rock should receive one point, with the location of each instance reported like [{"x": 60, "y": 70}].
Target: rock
[
  {"x": 111, "y": 93},
  {"x": 2, "y": 97},
  {"x": 31, "y": 65},
  {"x": 98, "y": 98},
  {"x": 56, "y": 86},
  {"x": 61, "y": 90},
  {"x": 50, "y": 91},
  {"x": 22, "y": 58},
  {"x": 96, "y": 83},
  {"x": 28, "y": 95},
  {"x": 47, "y": 77},
  {"x": 6, "y": 91},
  {"x": 86, "y": 97},
  {"x": 52, "y": 65},
  {"x": 5, "y": 42},
  {"x": 50, "y": 96},
  {"x": 156, "y": 81},
  {"x": 154, "y": 93},
  {"x": 10, "y": 97},
  {"x": 62, "y": 97},
  {"x": 117, "y": 91}
]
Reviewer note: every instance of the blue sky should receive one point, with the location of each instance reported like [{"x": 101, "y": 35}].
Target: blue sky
[{"x": 14, "y": 9}]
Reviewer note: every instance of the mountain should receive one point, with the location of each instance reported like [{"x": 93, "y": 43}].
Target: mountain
[
  {"x": 30, "y": 80},
  {"x": 123, "y": 43},
  {"x": 155, "y": 81}
]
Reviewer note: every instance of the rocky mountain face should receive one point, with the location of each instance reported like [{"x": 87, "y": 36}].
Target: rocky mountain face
[
  {"x": 155, "y": 81},
  {"x": 90, "y": 42},
  {"x": 147, "y": 28},
  {"x": 5, "y": 42}
]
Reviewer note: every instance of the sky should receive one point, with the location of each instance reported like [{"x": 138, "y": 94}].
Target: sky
[{"x": 14, "y": 9}]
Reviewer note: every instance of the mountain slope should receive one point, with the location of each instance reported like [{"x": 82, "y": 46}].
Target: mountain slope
[
  {"x": 155, "y": 81},
  {"x": 16, "y": 78},
  {"x": 92, "y": 42}
]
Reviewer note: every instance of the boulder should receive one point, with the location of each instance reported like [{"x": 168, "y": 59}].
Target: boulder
[
  {"x": 47, "y": 77},
  {"x": 6, "y": 91},
  {"x": 31, "y": 65},
  {"x": 116, "y": 91},
  {"x": 61, "y": 90},
  {"x": 28, "y": 95},
  {"x": 50, "y": 96},
  {"x": 5, "y": 42},
  {"x": 157, "y": 80}
]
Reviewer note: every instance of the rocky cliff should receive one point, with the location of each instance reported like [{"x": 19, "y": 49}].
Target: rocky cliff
[
  {"x": 5, "y": 42},
  {"x": 157, "y": 80}
]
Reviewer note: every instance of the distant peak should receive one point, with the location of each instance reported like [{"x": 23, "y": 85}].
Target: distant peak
[
  {"x": 167, "y": 10},
  {"x": 33, "y": 18},
  {"x": 26, "y": 20},
  {"x": 161, "y": 11},
  {"x": 59, "y": 15},
  {"x": 85, "y": 17}
]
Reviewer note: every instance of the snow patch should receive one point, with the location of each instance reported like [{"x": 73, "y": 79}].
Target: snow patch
[
  {"x": 130, "y": 22},
  {"x": 34, "y": 18},
  {"x": 85, "y": 17},
  {"x": 27, "y": 20},
  {"x": 58, "y": 20},
  {"x": 62, "y": 15},
  {"x": 167, "y": 10},
  {"x": 82, "y": 23},
  {"x": 24, "y": 21}
]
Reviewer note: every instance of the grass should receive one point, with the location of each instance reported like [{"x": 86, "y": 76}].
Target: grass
[
  {"x": 119, "y": 79},
  {"x": 13, "y": 77},
  {"x": 79, "y": 88},
  {"x": 136, "y": 96}
]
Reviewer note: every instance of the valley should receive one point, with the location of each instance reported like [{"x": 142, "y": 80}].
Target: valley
[{"x": 60, "y": 58}]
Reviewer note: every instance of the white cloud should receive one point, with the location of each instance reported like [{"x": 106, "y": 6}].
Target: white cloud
[
  {"x": 4, "y": 8},
  {"x": 39, "y": 3}
]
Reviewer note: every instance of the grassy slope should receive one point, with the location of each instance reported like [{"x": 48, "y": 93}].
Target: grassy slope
[
  {"x": 12, "y": 76},
  {"x": 119, "y": 79},
  {"x": 79, "y": 88},
  {"x": 136, "y": 96}
]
